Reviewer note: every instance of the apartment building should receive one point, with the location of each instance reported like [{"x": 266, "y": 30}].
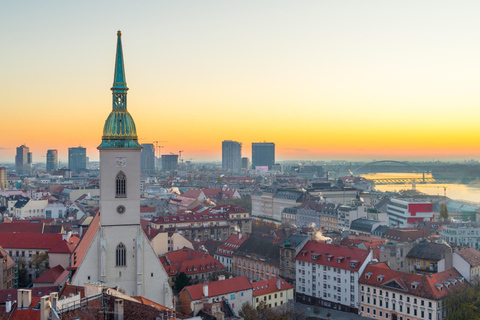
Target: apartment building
[
  {"x": 327, "y": 275},
  {"x": 396, "y": 295}
]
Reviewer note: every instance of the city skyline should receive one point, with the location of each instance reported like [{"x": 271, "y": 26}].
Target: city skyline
[{"x": 322, "y": 80}]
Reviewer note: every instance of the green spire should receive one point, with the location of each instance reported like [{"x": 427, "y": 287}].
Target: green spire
[
  {"x": 119, "y": 130},
  {"x": 119, "y": 80}
]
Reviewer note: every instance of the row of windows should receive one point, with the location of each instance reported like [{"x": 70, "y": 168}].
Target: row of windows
[
  {"x": 393, "y": 295},
  {"x": 381, "y": 313}
]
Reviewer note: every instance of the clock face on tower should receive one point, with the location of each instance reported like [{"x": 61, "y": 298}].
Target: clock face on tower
[{"x": 121, "y": 162}]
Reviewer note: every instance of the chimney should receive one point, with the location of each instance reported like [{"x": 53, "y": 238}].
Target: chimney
[
  {"x": 80, "y": 232},
  {"x": 149, "y": 229},
  {"x": 221, "y": 277},
  {"x": 239, "y": 236},
  {"x": 45, "y": 307},
  {"x": 118, "y": 309},
  {"x": 54, "y": 299},
  {"x": 19, "y": 298},
  {"x": 8, "y": 306},
  {"x": 27, "y": 298},
  {"x": 67, "y": 236},
  {"x": 217, "y": 311},
  {"x": 278, "y": 283},
  {"x": 205, "y": 290}
]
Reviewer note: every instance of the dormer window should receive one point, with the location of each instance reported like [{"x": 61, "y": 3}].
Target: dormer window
[
  {"x": 380, "y": 278},
  {"x": 414, "y": 285},
  {"x": 368, "y": 275}
]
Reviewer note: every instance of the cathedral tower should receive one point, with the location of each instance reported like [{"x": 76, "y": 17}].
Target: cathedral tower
[
  {"x": 119, "y": 253},
  {"x": 119, "y": 156}
]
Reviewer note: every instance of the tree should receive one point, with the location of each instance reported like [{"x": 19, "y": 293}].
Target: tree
[
  {"x": 245, "y": 202},
  {"x": 443, "y": 211},
  {"x": 22, "y": 273},
  {"x": 40, "y": 263},
  {"x": 181, "y": 281},
  {"x": 463, "y": 304}
]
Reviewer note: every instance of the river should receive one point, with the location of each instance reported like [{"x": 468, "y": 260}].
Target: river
[{"x": 454, "y": 191}]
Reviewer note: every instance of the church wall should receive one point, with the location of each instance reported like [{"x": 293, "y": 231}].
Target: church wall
[
  {"x": 89, "y": 265},
  {"x": 108, "y": 173}
]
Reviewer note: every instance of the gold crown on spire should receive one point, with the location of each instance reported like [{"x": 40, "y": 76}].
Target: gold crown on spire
[{"x": 119, "y": 33}]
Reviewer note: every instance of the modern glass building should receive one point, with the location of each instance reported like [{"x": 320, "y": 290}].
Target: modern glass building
[{"x": 263, "y": 154}]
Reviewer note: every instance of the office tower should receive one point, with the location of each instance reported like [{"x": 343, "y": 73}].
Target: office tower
[
  {"x": 231, "y": 156},
  {"x": 245, "y": 163},
  {"x": 23, "y": 160},
  {"x": 3, "y": 178},
  {"x": 147, "y": 158},
  {"x": 52, "y": 160},
  {"x": 263, "y": 154},
  {"x": 169, "y": 162},
  {"x": 77, "y": 159}
]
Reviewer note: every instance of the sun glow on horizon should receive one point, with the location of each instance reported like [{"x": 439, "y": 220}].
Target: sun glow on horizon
[{"x": 322, "y": 81}]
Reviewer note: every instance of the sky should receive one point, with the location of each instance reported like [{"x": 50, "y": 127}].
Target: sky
[{"x": 323, "y": 80}]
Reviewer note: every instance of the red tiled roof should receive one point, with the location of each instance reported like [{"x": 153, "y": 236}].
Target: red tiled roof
[
  {"x": 50, "y": 276},
  {"x": 220, "y": 287},
  {"x": 190, "y": 262},
  {"x": 84, "y": 243},
  {"x": 269, "y": 286},
  {"x": 11, "y": 294},
  {"x": 333, "y": 255},
  {"x": 27, "y": 314},
  {"x": 369, "y": 244},
  {"x": 66, "y": 247},
  {"x": 230, "y": 245},
  {"x": 406, "y": 234},
  {"x": 71, "y": 289},
  {"x": 145, "y": 209},
  {"x": 215, "y": 192},
  {"x": 435, "y": 286},
  {"x": 192, "y": 193},
  {"x": 151, "y": 303},
  {"x": 21, "y": 227},
  {"x": 470, "y": 255},
  {"x": 44, "y": 241}
]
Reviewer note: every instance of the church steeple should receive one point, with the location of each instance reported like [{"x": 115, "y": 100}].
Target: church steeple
[
  {"x": 119, "y": 80},
  {"x": 119, "y": 130}
]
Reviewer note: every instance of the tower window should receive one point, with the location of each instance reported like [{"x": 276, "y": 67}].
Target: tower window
[
  {"x": 121, "y": 255},
  {"x": 121, "y": 185}
]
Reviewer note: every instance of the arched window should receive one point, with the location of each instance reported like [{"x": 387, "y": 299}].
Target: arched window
[
  {"x": 121, "y": 185},
  {"x": 121, "y": 255}
]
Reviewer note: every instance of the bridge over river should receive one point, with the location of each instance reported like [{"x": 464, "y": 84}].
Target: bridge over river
[
  {"x": 409, "y": 180},
  {"x": 412, "y": 173}
]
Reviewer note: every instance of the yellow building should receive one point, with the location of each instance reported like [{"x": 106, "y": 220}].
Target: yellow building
[
  {"x": 275, "y": 292},
  {"x": 427, "y": 257}
]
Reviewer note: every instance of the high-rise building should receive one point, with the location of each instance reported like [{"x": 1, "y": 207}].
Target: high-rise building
[
  {"x": 263, "y": 154},
  {"x": 23, "y": 160},
  {"x": 169, "y": 162},
  {"x": 77, "y": 159},
  {"x": 3, "y": 178},
  {"x": 52, "y": 160},
  {"x": 148, "y": 158},
  {"x": 116, "y": 251},
  {"x": 245, "y": 163},
  {"x": 231, "y": 156}
]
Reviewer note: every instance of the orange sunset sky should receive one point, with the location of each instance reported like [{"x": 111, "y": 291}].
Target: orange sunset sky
[{"x": 322, "y": 79}]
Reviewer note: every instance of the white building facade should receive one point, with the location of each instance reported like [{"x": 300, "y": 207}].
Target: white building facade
[{"x": 327, "y": 275}]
